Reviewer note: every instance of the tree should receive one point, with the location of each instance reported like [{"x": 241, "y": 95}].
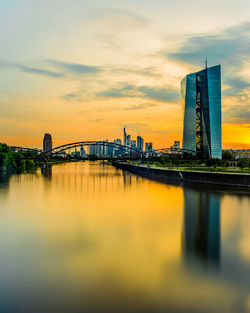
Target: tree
[
  {"x": 240, "y": 163},
  {"x": 227, "y": 155}
]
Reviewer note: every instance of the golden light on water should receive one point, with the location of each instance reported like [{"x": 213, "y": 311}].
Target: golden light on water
[{"x": 89, "y": 231}]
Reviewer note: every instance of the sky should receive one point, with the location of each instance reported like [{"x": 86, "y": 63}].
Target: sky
[{"x": 82, "y": 70}]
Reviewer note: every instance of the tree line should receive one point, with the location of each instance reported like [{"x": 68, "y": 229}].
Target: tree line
[{"x": 23, "y": 160}]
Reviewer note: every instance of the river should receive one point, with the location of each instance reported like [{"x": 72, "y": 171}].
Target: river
[{"x": 86, "y": 237}]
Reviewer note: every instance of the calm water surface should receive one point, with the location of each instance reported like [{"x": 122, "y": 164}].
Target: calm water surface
[{"x": 85, "y": 237}]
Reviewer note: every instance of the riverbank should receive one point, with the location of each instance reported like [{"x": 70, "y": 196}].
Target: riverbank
[{"x": 200, "y": 177}]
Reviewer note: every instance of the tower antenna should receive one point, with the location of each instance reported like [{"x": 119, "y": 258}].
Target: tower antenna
[{"x": 206, "y": 63}]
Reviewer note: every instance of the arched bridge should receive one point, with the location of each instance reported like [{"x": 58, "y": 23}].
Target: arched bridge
[{"x": 126, "y": 149}]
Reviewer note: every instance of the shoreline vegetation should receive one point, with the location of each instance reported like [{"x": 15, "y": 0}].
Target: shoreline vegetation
[
  {"x": 241, "y": 166},
  {"x": 21, "y": 160}
]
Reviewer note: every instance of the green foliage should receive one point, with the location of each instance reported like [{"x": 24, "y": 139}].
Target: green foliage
[
  {"x": 17, "y": 160},
  {"x": 7, "y": 159},
  {"x": 240, "y": 163},
  {"x": 227, "y": 155}
]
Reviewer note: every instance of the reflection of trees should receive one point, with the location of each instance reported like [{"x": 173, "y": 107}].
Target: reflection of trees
[
  {"x": 4, "y": 179},
  {"x": 201, "y": 229},
  {"x": 4, "y": 184}
]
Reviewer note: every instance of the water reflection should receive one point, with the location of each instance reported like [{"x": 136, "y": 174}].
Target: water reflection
[
  {"x": 4, "y": 179},
  {"x": 86, "y": 237},
  {"x": 46, "y": 171},
  {"x": 201, "y": 227}
]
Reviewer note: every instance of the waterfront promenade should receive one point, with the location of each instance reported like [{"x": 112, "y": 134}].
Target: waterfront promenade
[{"x": 204, "y": 177}]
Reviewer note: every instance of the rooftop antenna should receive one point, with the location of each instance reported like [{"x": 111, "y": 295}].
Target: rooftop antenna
[{"x": 206, "y": 63}]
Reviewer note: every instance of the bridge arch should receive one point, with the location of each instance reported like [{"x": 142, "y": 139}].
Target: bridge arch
[{"x": 62, "y": 148}]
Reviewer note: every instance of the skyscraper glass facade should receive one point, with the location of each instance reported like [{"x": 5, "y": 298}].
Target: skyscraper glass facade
[{"x": 201, "y": 103}]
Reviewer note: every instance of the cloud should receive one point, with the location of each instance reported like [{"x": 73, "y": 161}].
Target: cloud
[
  {"x": 140, "y": 106},
  {"x": 239, "y": 114},
  {"x": 57, "y": 69},
  {"x": 39, "y": 71},
  {"x": 119, "y": 20},
  {"x": 125, "y": 91},
  {"x": 29, "y": 69},
  {"x": 160, "y": 93},
  {"x": 74, "y": 68},
  {"x": 229, "y": 48},
  {"x": 148, "y": 71},
  {"x": 98, "y": 120},
  {"x": 155, "y": 93},
  {"x": 229, "y": 44},
  {"x": 71, "y": 96}
]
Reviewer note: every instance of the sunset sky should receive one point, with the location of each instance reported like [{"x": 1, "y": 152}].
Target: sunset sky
[{"x": 83, "y": 69}]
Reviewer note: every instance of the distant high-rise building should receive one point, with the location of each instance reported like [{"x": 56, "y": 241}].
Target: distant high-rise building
[
  {"x": 92, "y": 149},
  {"x": 176, "y": 147},
  {"x": 201, "y": 101},
  {"x": 133, "y": 144},
  {"x": 124, "y": 137},
  {"x": 129, "y": 140},
  {"x": 118, "y": 141},
  {"x": 117, "y": 150},
  {"x": 47, "y": 142},
  {"x": 148, "y": 147},
  {"x": 82, "y": 152},
  {"x": 140, "y": 142}
]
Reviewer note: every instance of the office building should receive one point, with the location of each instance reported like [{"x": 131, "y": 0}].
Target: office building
[
  {"x": 133, "y": 144},
  {"x": 129, "y": 140},
  {"x": 175, "y": 147},
  {"x": 140, "y": 142},
  {"x": 92, "y": 150},
  {"x": 118, "y": 151},
  {"x": 124, "y": 137},
  {"x": 201, "y": 102},
  {"x": 47, "y": 143},
  {"x": 82, "y": 152},
  {"x": 150, "y": 147}
]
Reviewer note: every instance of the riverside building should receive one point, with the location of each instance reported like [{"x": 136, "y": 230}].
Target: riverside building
[
  {"x": 201, "y": 103},
  {"x": 47, "y": 143}
]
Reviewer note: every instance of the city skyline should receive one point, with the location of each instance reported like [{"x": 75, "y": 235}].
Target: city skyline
[{"x": 92, "y": 68}]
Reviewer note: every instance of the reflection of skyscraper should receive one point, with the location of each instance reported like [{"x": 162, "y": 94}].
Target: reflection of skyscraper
[
  {"x": 46, "y": 171},
  {"x": 201, "y": 229},
  {"x": 201, "y": 101},
  {"x": 47, "y": 143}
]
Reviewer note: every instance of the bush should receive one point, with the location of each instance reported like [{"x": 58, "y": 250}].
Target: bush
[
  {"x": 240, "y": 163},
  {"x": 227, "y": 155}
]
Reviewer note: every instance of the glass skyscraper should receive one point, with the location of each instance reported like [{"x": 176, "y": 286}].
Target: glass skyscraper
[{"x": 201, "y": 103}]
